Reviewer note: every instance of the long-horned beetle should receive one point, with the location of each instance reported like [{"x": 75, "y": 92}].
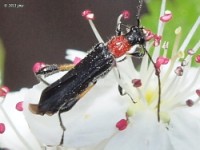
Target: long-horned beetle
[{"x": 64, "y": 93}]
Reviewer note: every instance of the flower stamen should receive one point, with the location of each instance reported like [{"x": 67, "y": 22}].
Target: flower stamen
[
  {"x": 189, "y": 102},
  {"x": 197, "y": 58},
  {"x": 94, "y": 29},
  {"x": 190, "y": 35},
  {"x": 122, "y": 124},
  {"x": 2, "y": 128},
  {"x": 157, "y": 40},
  {"x": 10, "y": 122},
  {"x": 167, "y": 16},
  {"x": 161, "y": 61},
  {"x": 148, "y": 34},
  {"x": 19, "y": 106},
  {"x": 38, "y": 66},
  {"x": 137, "y": 83},
  {"x": 4, "y": 91},
  {"x": 126, "y": 14},
  {"x": 76, "y": 60},
  {"x": 179, "y": 71},
  {"x": 198, "y": 92},
  {"x": 88, "y": 14},
  {"x": 165, "y": 46},
  {"x": 190, "y": 52}
]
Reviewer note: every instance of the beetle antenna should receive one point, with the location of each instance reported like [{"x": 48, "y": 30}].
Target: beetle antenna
[
  {"x": 139, "y": 7},
  {"x": 157, "y": 72}
]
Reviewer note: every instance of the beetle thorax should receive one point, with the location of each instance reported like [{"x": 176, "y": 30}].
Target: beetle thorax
[{"x": 118, "y": 46}]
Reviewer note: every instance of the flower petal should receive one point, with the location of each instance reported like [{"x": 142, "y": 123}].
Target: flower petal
[
  {"x": 143, "y": 133},
  {"x": 14, "y": 121},
  {"x": 45, "y": 125},
  {"x": 184, "y": 130},
  {"x": 98, "y": 121}
]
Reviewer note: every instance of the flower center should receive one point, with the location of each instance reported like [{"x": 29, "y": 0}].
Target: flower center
[
  {"x": 150, "y": 96},
  {"x": 150, "y": 103}
]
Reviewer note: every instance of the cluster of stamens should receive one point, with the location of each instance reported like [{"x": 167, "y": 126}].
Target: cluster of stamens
[
  {"x": 4, "y": 90},
  {"x": 161, "y": 60}
]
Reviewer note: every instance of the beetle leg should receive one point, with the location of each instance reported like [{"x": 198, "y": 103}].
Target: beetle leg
[
  {"x": 69, "y": 106},
  {"x": 121, "y": 87},
  {"x": 66, "y": 67},
  {"x": 121, "y": 91},
  {"x": 50, "y": 70},
  {"x": 138, "y": 53},
  {"x": 118, "y": 29}
]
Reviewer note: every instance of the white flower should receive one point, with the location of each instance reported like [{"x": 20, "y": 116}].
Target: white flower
[{"x": 160, "y": 110}]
